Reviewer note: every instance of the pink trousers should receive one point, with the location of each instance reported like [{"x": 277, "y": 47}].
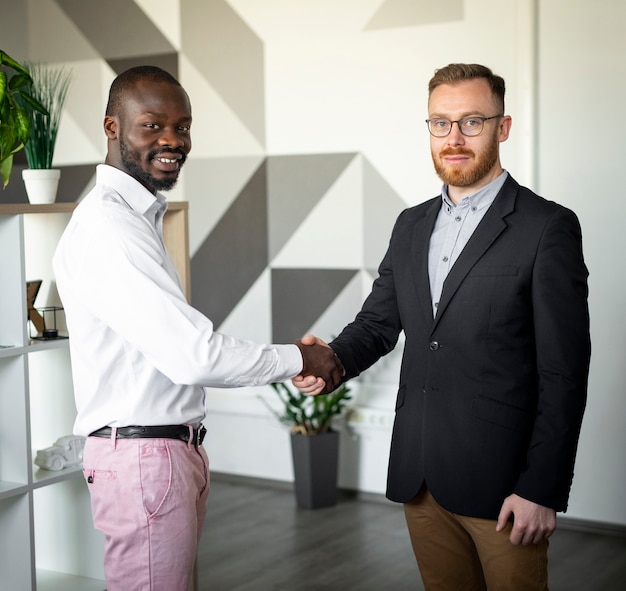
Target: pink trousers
[{"x": 149, "y": 498}]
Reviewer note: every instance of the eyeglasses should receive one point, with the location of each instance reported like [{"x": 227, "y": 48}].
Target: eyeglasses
[{"x": 470, "y": 126}]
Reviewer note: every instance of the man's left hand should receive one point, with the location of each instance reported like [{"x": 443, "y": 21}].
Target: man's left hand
[{"x": 531, "y": 522}]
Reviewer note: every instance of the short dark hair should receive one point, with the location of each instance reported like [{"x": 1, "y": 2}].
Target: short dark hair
[
  {"x": 460, "y": 72},
  {"x": 129, "y": 78}
]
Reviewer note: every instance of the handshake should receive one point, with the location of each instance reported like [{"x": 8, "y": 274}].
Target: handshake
[{"x": 322, "y": 371}]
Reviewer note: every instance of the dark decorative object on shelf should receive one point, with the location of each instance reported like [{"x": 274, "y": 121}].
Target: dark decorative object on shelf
[
  {"x": 49, "y": 330},
  {"x": 42, "y": 319}
]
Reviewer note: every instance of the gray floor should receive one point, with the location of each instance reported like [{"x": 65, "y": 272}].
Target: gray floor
[{"x": 255, "y": 539}]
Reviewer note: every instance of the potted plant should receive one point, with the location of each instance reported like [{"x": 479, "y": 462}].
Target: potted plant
[
  {"x": 314, "y": 444},
  {"x": 49, "y": 86},
  {"x": 14, "y": 121}
]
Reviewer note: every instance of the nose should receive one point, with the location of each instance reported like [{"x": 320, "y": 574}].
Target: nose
[
  {"x": 455, "y": 137},
  {"x": 171, "y": 138}
]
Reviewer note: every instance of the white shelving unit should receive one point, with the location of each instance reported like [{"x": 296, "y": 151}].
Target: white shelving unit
[{"x": 47, "y": 540}]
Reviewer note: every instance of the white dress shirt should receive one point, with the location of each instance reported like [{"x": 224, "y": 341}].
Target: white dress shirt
[{"x": 140, "y": 353}]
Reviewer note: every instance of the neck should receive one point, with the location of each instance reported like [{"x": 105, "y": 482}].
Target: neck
[{"x": 457, "y": 194}]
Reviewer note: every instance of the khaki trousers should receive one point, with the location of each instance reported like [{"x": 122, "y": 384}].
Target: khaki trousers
[{"x": 456, "y": 553}]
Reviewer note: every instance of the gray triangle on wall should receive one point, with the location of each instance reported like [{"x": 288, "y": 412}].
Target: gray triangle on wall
[
  {"x": 300, "y": 297},
  {"x": 234, "y": 254},
  {"x": 296, "y": 183}
]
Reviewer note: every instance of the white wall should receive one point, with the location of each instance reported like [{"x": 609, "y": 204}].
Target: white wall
[{"x": 581, "y": 149}]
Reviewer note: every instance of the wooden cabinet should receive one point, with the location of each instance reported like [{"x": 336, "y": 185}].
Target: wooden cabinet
[{"x": 47, "y": 540}]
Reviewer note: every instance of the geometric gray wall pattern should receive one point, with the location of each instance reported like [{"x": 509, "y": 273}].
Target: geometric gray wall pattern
[
  {"x": 242, "y": 244},
  {"x": 237, "y": 250},
  {"x": 230, "y": 56},
  {"x": 381, "y": 206},
  {"x": 117, "y": 29},
  {"x": 300, "y": 296},
  {"x": 166, "y": 61},
  {"x": 234, "y": 254},
  {"x": 411, "y": 13},
  {"x": 296, "y": 183},
  {"x": 211, "y": 185}
]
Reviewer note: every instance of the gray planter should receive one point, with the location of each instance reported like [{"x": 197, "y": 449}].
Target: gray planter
[{"x": 315, "y": 463}]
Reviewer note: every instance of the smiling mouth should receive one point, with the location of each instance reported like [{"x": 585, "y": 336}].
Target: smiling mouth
[{"x": 166, "y": 164}]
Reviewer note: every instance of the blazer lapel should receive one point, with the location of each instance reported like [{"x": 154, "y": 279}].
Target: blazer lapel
[
  {"x": 490, "y": 227},
  {"x": 419, "y": 257}
]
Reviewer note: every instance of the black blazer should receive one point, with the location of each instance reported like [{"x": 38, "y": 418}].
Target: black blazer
[{"x": 492, "y": 390}]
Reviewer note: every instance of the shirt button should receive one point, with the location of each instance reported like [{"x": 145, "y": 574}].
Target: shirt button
[
  {"x": 434, "y": 345},
  {"x": 445, "y": 259},
  {"x": 457, "y": 218},
  {"x": 474, "y": 208}
]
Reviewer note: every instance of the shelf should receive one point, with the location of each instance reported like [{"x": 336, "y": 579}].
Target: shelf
[
  {"x": 36, "y": 407},
  {"x": 65, "y": 538},
  {"x": 40, "y": 478},
  {"x": 12, "y": 489},
  {"x": 175, "y": 230},
  {"x": 43, "y": 477},
  {"x": 53, "y": 581},
  {"x": 21, "y": 208},
  {"x": 48, "y": 541},
  {"x": 34, "y": 346},
  {"x": 10, "y": 351}
]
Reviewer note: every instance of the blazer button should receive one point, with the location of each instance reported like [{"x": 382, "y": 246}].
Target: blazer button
[{"x": 434, "y": 345}]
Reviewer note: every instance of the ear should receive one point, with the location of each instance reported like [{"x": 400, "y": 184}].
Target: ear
[
  {"x": 111, "y": 127},
  {"x": 504, "y": 128}
]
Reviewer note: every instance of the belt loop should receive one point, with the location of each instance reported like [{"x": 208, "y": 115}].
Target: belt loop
[
  {"x": 113, "y": 437},
  {"x": 190, "y": 442}
]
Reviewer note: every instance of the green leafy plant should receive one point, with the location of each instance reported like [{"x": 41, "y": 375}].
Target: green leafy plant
[
  {"x": 49, "y": 87},
  {"x": 14, "y": 124},
  {"x": 309, "y": 415}
]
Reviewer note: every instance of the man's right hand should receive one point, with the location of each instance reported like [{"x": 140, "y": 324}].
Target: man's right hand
[{"x": 322, "y": 370}]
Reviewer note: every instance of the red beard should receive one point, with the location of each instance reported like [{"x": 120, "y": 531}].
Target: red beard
[{"x": 466, "y": 175}]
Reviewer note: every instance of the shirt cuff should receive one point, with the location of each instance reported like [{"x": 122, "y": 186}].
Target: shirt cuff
[{"x": 290, "y": 361}]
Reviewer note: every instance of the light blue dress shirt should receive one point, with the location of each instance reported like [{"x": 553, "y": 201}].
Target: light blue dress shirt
[{"x": 454, "y": 227}]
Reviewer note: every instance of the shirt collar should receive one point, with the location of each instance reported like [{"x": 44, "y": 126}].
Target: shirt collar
[
  {"x": 483, "y": 198},
  {"x": 130, "y": 189}
]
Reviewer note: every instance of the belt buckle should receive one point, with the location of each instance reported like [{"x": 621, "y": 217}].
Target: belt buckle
[{"x": 197, "y": 435}]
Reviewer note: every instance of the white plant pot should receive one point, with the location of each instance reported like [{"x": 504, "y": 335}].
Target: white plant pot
[{"x": 41, "y": 184}]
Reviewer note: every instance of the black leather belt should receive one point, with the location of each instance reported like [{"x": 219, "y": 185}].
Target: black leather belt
[{"x": 155, "y": 432}]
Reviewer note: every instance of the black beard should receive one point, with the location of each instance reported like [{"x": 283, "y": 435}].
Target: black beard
[{"x": 132, "y": 158}]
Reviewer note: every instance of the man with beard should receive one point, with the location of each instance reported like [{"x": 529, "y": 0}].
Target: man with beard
[
  {"x": 487, "y": 281},
  {"x": 140, "y": 353}
]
